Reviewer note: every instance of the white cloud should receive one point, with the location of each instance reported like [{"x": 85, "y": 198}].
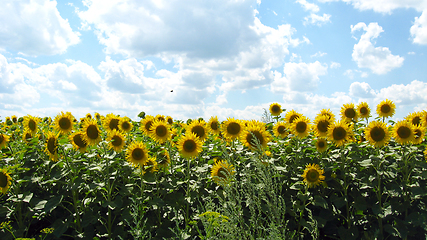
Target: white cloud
[
  {"x": 384, "y": 6},
  {"x": 317, "y": 19},
  {"x": 319, "y": 54},
  {"x": 335, "y": 65},
  {"x": 419, "y": 29},
  {"x": 35, "y": 27},
  {"x": 311, "y": 7},
  {"x": 378, "y": 59},
  {"x": 413, "y": 93},
  {"x": 361, "y": 90}
]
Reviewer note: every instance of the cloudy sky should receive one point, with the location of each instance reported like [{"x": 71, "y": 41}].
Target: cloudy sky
[{"x": 225, "y": 58}]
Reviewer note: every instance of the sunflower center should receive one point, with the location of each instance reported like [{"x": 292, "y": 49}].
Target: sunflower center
[
  {"x": 416, "y": 121},
  {"x": 78, "y": 140},
  {"x": 189, "y": 146},
  {"x": 301, "y": 127},
  {"x": 281, "y": 129},
  {"x": 51, "y": 145},
  {"x": 233, "y": 128},
  {"x": 117, "y": 141},
  {"x": 312, "y": 176},
  {"x": 214, "y": 125},
  {"x": 161, "y": 119},
  {"x": 92, "y": 132},
  {"x": 138, "y": 154},
  {"x": 363, "y": 110},
  {"x": 255, "y": 137},
  {"x": 161, "y": 131},
  {"x": 114, "y": 124},
  {"x": 404, "y": 132},
  {"x": 125, "y": 126},
  {"x": 32, "y": 125},
  {"x": 377, "y": 134},
  {"x": 3, "y": 180},
  {"x": 292, "y": 118},
  {"x": 320, "y": 144},
  {"x": 64, "y": 123},
  {"x": 350, "y": 113},
  {"x": 170, "y": 120},
  {"x": 275, "y": 109},
  {"x": 222, "y": 173},
  {"x": 148, "y": 125},
  {"x": 339, "y": 133},
  {"x": 385, "y": 108},
  {"x": 322, "y": 126}
]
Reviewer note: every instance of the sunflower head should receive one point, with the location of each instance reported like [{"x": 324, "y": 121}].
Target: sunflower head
[
  {"x": 160, "y": 117},
  {"x": 386, "y": 108},
  {"x": 150, "y": 165},
  {"x": 146, "y": 124},
  {"x": 189, "y": 145},
  {"x": 415, "y": 118},
  {"x": 111, "y": 122},
  {"x": 363, "y": 110},
  {"x": 3, "y": 140},
  {"x": 321, "y": 124},
  {"x": 198, "y": 127},
  {"x": 377, "y": 134},
  {"x": 163, "y": 159},
  {"x": 30, "y": 123},
  {"x": 275, "y": 109},
  {"x": 255, "y": 136},
  {"x": 328, "y": 113},
  {"x": 92, "y": 134},
  {"x": 160, "y": 131},
  {"x": 291, "y": 116},
  {"x": 26, "y": 136},
  {"x": 300, "y": 127},
  {"x": 403, "y": 132},
  {"x": 64, "y": 122},
  {"x": 116, "y": 140},
  {"x": 213, "y": 125},
  {"x": 169, "y": 120},
  {"x": 88, "y": 115},
  {"x": 5, "y": 181},
  {"x": 125, "y": 124},
  {"x": 14, "y": 119},
  {"x": 321, "y": 144},
  {"x": 137, "y": 154},
  {"x": 349, "y": 112},
  {"x": 222, "y": 172},
  {"x": 313, "y": 175},
  {"x": 419, "y": 133},
  {"x": 52, "y": 146},
  {"x": 78, "y": 142},
  {"x": 340, "y": 133},
  {"x": 280, "y": 129},
  {"x": 232, "y": 128}
]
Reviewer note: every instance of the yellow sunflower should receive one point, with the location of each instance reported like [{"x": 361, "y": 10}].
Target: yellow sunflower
[
  {"x": 363, "y": 110},
  {"x": 30, "y": 123},
  {"x": 198, "y": 127},
  {"x": 116, "y": 140},
  {"x": 3, "y": 140},
  {"x": 340, "y": 133},
  {"x": 300, "y": 127},
  {"x": 321, "y": 144},
  {"x": 313, "y": 175},
  {"x": 26, "y": 136},
  {"x": 254, "y": 135},
  {"x": 419, "y": 133},
  {"x": 403, "y": 132},
  {"x": 64, "y": 122},
  {"x": 291, "y": 116},
  {"x": 137, "y": 154},
  {"x": 275, "y": 109},
  {"x": 14, "y": 119},
  {"x": 169, "y": 120},
  {"x": 5, "y": 181},
  {"x": 386, "y": 108},
  {"x": 125, "y": 124},
  {"x": 213, "y": 125},
  {"x": 160, "y": 117},
  {"x": 88, "y": 115},
  {"x": 52, "y": 146},
  {"x": 146, "y": 124},
  {"x": 189, "y": 145},
  {"x": 377, "y": 133},
  {"x": 222, "y": 172},
  {"x": 280, "y": 129},
  {"x": 150, "y": 165},
  {"x": 92, "y": 134},
  {"x": 78, "y": 142},
  {"x": 321, "y": 124},
  {"x": 415, "y": 118},
  {"x": 232, "y": 128},
  {"x": 111, "y": 122},
  {"x": 98, "y": 116},
  {"x": 160, "y": 131},
  {"x": 349, "y": 112},
  {"x": 328, "y": 113}
]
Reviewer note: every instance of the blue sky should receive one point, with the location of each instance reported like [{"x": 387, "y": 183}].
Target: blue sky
[{"x": 225, "y": 58}]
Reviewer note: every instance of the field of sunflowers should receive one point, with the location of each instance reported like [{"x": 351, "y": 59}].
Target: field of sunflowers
[{"x": 354, "y": 175}]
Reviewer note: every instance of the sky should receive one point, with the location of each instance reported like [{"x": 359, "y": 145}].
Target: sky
[{"x": 202, "y": 58}]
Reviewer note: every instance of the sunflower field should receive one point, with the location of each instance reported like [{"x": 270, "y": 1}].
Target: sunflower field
[{"x": 355, "y": 175}]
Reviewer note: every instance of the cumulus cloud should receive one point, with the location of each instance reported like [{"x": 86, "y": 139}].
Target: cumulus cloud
[
  {"x": 379, "y": 59},
  {"x": 317, "y": 19},
  {"x": 361, "y": 90},
  {"x": 419, "y": 29},
  {"x": 409, "y": 94},
  {"x": 383, "y": 6},
  {"x": 35, "y": 28},
  {"x": 308, "y": 6}
]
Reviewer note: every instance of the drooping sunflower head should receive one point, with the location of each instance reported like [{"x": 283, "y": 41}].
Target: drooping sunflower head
[
  {"x": 78, "y": 142},
  {"x": 321, "y": 144},
  {"x": 189, "y": 145},
  {"x": 328, "y": 113},
  {"x": 222, "y": 172},
  {"x": 415, "y": 118},
  {"x": 232, "y": 128},
  {"x": 137, "y": 154},
  {"x": 27, "y": 136},
  {"x": 275, "y": 109},
  {"x": 386, "y": 108},
  {"x": 300, "y": 127},
  {"x": 169, "y": 120},
  {"x": 403, "y": 132},
  {"x": 52, "y": 146},
  {"x": 349, "y": 112},
  {"x": 5, "y": 181},
  {"x": 146, "y": 124},
  {"x": 150, "y": 165},
  {"x": 419, "y": 133},
  {"x": 363, "y": 110},
  {"x": 3, "y": 140},
  {"x": 14, "y": 119},
  {"x": 88, "y": 115},
  {"x": 291, "y": 116},
  {"x": 213, "y": 125},
  {"x": 160, "y": 131},
  {"x": 64, "y": 122},
  {"x": 160, "y": 117},
  {"x": 111, "y": 122},
  {"x": 255, "y": 136},
  {"x": 340, "y": 133},
  {"x": 98, "y": 116},
  {"x": 377, "y": 134},
  {"x": 125, "y": 124},
  {"x": 313, "y": 175},
  {"x": 91, "y": 132},
  {"x": 280, "y": 129},
  {"x": 30, "y": 123},
  {"x": 321, "y": 124},
  {"x": 116, "y": 140},
  {"x": 198, "y": 127}
]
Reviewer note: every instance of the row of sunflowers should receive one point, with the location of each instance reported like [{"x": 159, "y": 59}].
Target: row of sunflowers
[{"x": 184, "y": 173}]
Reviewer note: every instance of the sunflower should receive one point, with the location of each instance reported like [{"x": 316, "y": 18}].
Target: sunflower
[
  {"x": 189, "y": 145},
  {"x": 222, "y": 172},
  {"x": 300, "y": 127},
  {"x": 116, "y": 140},
  {"x": 169, "y": 120},
  {"x": 280, "y": 129},
  {"x": 52, "y": 146},
  {"x": 349, "y": 112},
  {"x": 232, "y": 128},
  {"x": 403, "y": 132},
  {"x": 163, "y": 158},
  {"x": 3, "y": 140},
  {"x": 275, "y": 109},
  {"x": 146, "y": 124},
  {"x": 30, "y": 123},
  {"x": 320, "y": 126},
  {"x": 5, "y": 181},
  {"x": 88, "y": 115},
  {"x": 321, "y": 144},
  {"x": 419, "y": 133},
  {"x": 255, "y": 135},
  {"x": 386, "y": 108},
  {"x": 27, "y": 136},
  {"x": 214, "y": 125},
  {"x": 198, "y": 127},
  {"x": 160, "y": 117},
  {"x": 98, "y": 116},
  {"x": 328, "y": 113},
  {"x": 150, "y": 165},
  {"x": 137, "y": 154},
  {"x": 78, "y": 142},
  {"x": 14, "y": 119},
  {"x": 415, "y": 118},
  {"x": 363, "y": 110},
  {"x": 125, "y": 124},
  {"x": 111, "y": 122},
  {"x": 64, "y": 122},
  {"x": 340, "y": 133},
  {"x": 313, "y": 175},
  {"x": 160, "y": 131},
  {"x": 377, "y": 133},
  {"x": 291, "y": 116},
  {"x": 92, "y": 134}
]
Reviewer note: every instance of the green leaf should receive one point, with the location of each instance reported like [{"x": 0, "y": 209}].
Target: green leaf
[
  {"x": 320, "y": 201},
  {"x": 366, "y": 163},
  {"x": 53, "y": 203}
]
